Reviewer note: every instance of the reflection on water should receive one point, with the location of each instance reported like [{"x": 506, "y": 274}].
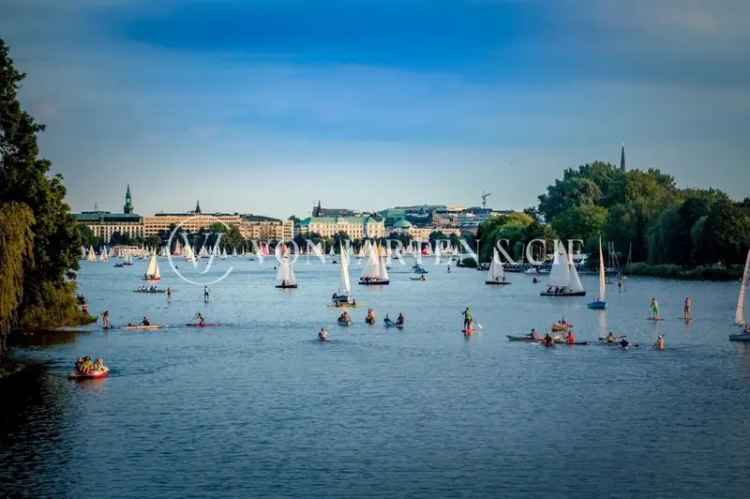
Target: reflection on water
[
  {"x": 44, "y": 338},
  {"x": 258, "y": 407}
]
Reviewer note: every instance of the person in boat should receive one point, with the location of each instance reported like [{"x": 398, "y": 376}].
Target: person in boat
[
  {"x": 387, "y": 321},
  {"x": 687, "y": 308},
  {"x": 534, "y": 335},
  {"x": 654, "y": 308},
  {"x": 105, "y": 320},
  {"x": 145, "y": 321},
  {"x": 570, "y": 338},
  {"x": 98, "y": 364},
  {"x": 344, "y": 317},
  {"x": 747, "y": 328},
  {"x": 400, "y": 320},
  {"x": 449, "y": 269},
  {"x": 370, "y": 319},
  {"x": 624, "y": 343},
  {"x": 467, "y": 318},
  {"x": 611, "y": 338},
  {"x": 169, "y": 293},
  {"x": 201, "y": 320},
  {"x": 548, "y": 341},
  {"x": 323, "y": 334},
  {"x": 659, "y": 345},
  {"x": 205, "y": 294}
]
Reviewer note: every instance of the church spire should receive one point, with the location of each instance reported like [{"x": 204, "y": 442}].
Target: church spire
[
  {"x": 622, "y": 158},
  {"x": 128, "y": 208},
  {"x": 198, "y": 206}
]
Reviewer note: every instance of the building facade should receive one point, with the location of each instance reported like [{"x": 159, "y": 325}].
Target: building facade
[
  {"x": 105, "y": 224},
  {"x": 190, "y": 221},
  {"x": 355, "y": 227}
]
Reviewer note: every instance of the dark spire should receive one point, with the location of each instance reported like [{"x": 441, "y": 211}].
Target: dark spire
[
  {"x": 622, "y": 158},
  {"x": 128, "y": 208},
  {"x": 198, "y": 206}
]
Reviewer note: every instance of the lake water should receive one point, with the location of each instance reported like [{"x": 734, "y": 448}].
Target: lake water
[{"x": 258, "y": 407}]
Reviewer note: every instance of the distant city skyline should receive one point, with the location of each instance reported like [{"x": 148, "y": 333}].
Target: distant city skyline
[{"x": 266, "y": 107}]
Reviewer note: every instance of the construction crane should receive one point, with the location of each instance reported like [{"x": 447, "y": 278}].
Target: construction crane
[{"x": 484, "y": 199}]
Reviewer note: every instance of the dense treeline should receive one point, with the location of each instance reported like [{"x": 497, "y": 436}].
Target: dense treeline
[
  {"x": 641, "y": 212},
  {"x": 39, "y": 239}
]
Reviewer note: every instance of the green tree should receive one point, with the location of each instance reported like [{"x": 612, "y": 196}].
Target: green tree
[
  {"x": 24, "y": 179},
  {"x": 16, "y": 254}
]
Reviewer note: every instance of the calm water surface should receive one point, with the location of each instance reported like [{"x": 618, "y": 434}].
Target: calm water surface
[{"x": 257, "y": 407}]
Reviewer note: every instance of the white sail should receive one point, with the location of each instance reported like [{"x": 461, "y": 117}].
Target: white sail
[
  {"x": 575, "y": 281},
  {"x": 285, "y": 275},
  {"x": 345, "y": 285},
  {"x": 739, "y": 316},
  {"x": 152, "y": 271},
  {"x": 371, "y": 268},
  {"x": 602, "y": 276},
  {"x": 496, "y": 272},
  {"x": 188, "y": 253},
  {"x": 331, "y": 252},
  {"x": 559, "y": 276},
  {"x": 382, "y": 266}
]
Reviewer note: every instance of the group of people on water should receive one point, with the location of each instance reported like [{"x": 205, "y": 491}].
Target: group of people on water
[
  {"x": 148, "y": 289},
  {"x": 370, "y": 319},
  {"x": 84, "y": 365}
]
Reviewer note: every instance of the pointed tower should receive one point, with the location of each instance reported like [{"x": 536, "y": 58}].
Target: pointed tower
[
  {"x": 622, "y": 158},
  {"x": 198, "y": 207},
  {"x": 128, "y": 208}
]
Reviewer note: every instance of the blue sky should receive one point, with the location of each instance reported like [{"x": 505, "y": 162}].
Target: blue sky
[{"x": 268, "y": 106}]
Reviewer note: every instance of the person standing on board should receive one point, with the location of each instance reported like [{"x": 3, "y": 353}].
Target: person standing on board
[
  {"x": 105, "y": 320},
  {"x": 687, "y": 309},
  {"x": 654, "y": 309},
  {"x": 205, "y": 294},
  {"x": 467, "y": 318}
]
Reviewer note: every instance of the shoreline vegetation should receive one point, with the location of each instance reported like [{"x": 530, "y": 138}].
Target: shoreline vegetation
[{"x": 39, "y": 238}]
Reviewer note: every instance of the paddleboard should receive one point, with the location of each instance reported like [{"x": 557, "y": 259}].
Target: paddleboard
[{"x": 151, "y": 327}]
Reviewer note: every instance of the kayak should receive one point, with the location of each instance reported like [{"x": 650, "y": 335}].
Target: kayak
[
  {"x": 141, "y": 327},
  {"x": 603, "y": 341},
  {"x": 101, "y": 373},
  {"x": 739, "y": 337},
  {"x": 205, "y": 324},
  {"x": 527, "y": 339},
  {"x": 417, "y": 279}
]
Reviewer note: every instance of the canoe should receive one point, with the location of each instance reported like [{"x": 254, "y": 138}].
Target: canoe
[
  {"x": 739, "y": 337},
  {"x": 141, "y": 327},
  {"x": 205, "y": 324},
  {"x": 575, "y": 293},
  {"x": 417, "y": 279},
  {"x": 102, "y": 373},
  {"x": 497, "y": 283}
]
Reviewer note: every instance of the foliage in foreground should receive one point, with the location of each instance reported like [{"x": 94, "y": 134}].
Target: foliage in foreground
[{"x": 39, "y": 278}]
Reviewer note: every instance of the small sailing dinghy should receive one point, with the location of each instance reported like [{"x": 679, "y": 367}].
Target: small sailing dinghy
[
  {"x": 344, "y": 297},
  {"x": 285, "y": 276},
  {"x": 600, "y": 303},
  {"x": 563, "y": 278},
  {"x": 152, "y": 271},
  {"x": 739, "y": 315},
  {"x": 375, "y": 272},
  {"x": 496, "y": 274}
]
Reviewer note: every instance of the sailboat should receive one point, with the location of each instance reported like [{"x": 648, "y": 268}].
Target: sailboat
[
  {"x": 285, "y": 276},
  {"x": 344, "y": 295},
  {"x": 188, "y": 253},
  {"x": 496, "y": 274},
  {"x": 374, "y": 272},
  {"x": 739, "y": 314},
  {"x": 563, "y": 278},
  {"x": 91, "y": 257},
  {"x": 599, "y": 303},
  {"x": 152, "y": 271}
]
